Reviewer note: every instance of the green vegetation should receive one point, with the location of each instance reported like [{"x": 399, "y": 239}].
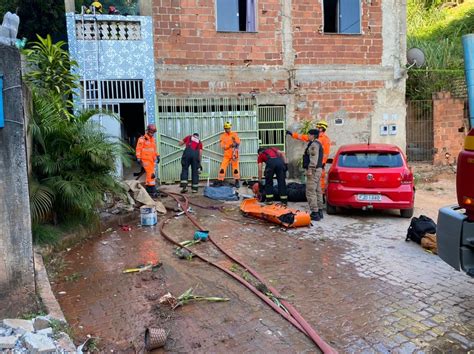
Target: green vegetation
[
  {"x": 40, "y": 17},
  {"x": 73, "y": 160},
  {"x": 436, "y": 27}
]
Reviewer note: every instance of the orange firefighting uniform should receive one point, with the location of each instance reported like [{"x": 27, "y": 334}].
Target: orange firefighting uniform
[
  {"x": 147, "y": 153},
  {"x": 326, "y": 143},
  {"x": 231, "y": 154}
]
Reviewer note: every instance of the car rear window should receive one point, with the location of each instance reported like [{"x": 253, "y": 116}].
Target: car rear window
[{"x": 370, "y": 159}]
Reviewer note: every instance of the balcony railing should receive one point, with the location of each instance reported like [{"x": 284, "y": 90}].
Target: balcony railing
[{"x": 108, "y": 30}]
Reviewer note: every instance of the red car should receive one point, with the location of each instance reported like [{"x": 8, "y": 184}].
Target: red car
[{"x": 370, "y": 176}]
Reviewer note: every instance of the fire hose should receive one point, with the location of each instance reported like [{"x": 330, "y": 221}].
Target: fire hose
[{"x": 294, "y": 317}]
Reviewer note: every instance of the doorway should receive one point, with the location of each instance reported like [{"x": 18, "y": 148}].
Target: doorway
[{"x": 132, "y": 116}]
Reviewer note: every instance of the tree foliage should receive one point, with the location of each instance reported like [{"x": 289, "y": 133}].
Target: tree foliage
[
  {"x": 40, "y": 17},
  {"x": 436, "y": 27}
]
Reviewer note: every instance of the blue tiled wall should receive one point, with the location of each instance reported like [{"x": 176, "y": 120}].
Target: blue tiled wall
[{"x": 120, "y": 60}]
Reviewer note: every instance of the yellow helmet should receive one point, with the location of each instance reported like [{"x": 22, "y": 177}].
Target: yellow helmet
[
  {"x": 322, "y": 124},
  {"x": 227, "y": 125},
  {"x": 98, "y": 6}
]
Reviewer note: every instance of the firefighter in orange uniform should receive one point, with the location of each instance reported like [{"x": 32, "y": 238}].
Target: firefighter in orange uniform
[
  {"x": 322, "y": 126},
  {"x": 148, "y": 156},
  {"x": 230, "y": 142}
]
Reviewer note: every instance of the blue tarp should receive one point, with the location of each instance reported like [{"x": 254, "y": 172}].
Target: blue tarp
[{"x": 221, "y": 193}]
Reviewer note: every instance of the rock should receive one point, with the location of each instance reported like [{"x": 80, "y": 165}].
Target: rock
[
  {"x": 46, "y": 332},
  {"x": 36, "y": 343},
  {"x": 8, "y": 342},
  {"x": 65, "y": 343},
  {"x": 20, "y": 326},
  {"x": 41, "y": 322}
]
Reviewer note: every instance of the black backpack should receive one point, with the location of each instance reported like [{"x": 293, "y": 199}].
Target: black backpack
[{"x": 419, "y": 227}]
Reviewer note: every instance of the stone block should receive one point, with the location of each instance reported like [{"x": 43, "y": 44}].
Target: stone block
[
  {"x": 18, "y": 325},
  {"x": 65, "y": 343},
  {"x": 45, "y": 331},
  {"x": 8, "y": 342},
  {"x": 40, "y": 322},
  {"x": 36, "y": 343}
]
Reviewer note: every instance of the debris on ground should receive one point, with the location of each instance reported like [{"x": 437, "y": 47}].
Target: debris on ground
[
  {"x": 183, "y": 253},
  {"x": 39, "y": 335},
  {"x": 125, "y": 227},
  {"x": 186, "y": 298},
  {"x": 155, "y": 338},
  {"x": 139, "y": 194},
  {"x": 144, "y": 267}
]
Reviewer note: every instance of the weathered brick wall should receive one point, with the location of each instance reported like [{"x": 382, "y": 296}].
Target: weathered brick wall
[
  {"x": 289, "y": 61},
  {"x": 185, "y": 33},
  {"x": 312, "y": 46},
  {"x": 449, "y": 126}
]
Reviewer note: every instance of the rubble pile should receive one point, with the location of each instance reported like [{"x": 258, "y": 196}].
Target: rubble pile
[{"x": 39, "y": 335}]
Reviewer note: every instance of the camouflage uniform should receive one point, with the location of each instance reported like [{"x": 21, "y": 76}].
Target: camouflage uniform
[{"x": 314, "y": 193}]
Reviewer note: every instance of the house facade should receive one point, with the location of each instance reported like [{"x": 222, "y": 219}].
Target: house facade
[
  {"x": 116, "y": 69},
  {"x": 266, "y": 65}
]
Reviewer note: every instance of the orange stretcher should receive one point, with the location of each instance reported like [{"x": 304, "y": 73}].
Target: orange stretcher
[{"x": 276, "y": 213}]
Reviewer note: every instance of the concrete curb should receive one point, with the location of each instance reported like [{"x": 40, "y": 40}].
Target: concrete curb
[{"x": 44, "y": 289}]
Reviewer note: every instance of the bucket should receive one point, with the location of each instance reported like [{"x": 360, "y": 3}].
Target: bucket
[
  {"x": 155, "y": 338},
  {"x": 148, "y": 215}
]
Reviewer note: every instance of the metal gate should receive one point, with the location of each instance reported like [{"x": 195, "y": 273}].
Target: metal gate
[
  {"x": 179, "y": 117},
  {"x": 420, "y": 141},
  {"x": 271, "y": 126}
]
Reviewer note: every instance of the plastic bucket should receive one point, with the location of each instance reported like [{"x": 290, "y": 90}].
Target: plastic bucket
[
  {"x": 155, "y": 338},
  {"x": 148, "y": 215}
]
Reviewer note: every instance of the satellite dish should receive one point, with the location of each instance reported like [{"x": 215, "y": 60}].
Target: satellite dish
[{"x": 415, "y": 57}]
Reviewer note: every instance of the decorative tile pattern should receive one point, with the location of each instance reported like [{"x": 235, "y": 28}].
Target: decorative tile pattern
[{"x": 116, "y": 59}]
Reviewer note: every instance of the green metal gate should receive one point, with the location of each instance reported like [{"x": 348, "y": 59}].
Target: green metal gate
[
  {"x": 271, "y": 126},
  {"x": 179, "y": 117}
]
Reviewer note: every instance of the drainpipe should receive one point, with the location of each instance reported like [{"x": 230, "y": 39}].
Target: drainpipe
[{"x": 468, "y": 44}]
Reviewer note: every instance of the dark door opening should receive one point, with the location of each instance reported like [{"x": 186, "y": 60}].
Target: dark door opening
[
  {"x": 133, "y": 126},
  {"x": 133, "y": 122}
]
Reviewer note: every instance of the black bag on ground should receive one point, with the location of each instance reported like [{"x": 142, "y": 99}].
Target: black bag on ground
[{"x": 419, "y": 227}]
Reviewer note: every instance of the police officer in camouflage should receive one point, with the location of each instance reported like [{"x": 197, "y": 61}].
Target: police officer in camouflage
[{"x": 313, "y": 164}]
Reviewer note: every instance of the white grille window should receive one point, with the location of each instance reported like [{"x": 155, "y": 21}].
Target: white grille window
[{"x": 118, "y": 90}]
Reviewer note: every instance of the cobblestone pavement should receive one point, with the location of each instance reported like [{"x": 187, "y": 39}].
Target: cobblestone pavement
[{"x": 352, "y": 276}]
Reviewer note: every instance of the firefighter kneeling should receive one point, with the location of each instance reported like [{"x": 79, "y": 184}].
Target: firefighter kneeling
[{"x": 275, "y": 164}]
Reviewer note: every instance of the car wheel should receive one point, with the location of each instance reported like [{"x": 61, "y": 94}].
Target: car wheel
[
  {"x": 406, "y": 213},
  {"x": 331, "y": 209}
]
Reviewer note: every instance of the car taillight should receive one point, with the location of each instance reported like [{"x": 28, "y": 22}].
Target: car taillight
[
  {"x": 407, "y": 177},
  {"x": 334, "y": 177}
]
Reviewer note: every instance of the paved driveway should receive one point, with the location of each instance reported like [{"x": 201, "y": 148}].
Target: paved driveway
[{"x": 352, "y": 276}]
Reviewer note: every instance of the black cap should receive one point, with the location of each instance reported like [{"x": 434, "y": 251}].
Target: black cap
[
  {"x": 314, "y": 132},
  {"x": 195, "y": 134}
]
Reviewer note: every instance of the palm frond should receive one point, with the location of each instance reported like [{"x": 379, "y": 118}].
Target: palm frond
[{"x": 41, "y": 200}]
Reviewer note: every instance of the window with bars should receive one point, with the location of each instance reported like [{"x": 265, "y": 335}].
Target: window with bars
[{"x": 128, "y": 90}]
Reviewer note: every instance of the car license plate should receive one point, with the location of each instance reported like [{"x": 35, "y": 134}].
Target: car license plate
[{"x": 369, "y": 197}]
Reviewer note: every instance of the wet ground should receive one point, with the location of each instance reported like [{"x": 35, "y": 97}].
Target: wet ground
[{"x": 352, "y": 277}]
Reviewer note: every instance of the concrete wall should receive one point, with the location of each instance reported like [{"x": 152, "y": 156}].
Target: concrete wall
[
  {"x": 356, "y": 81},
  {"x": 16, "y": 255},
  {"x": 449, "y": 127}
]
